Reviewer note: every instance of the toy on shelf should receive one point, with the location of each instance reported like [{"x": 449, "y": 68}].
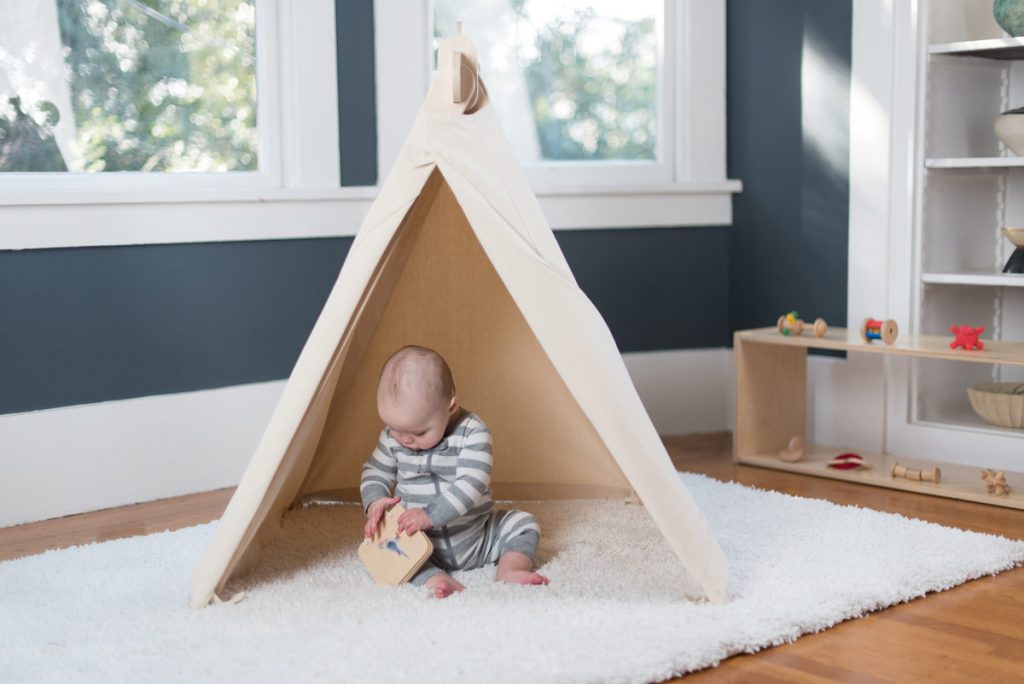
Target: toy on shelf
[
  {"x": 886, "y": 330},
  {"x": 923, "y": 475},
  {"x": 790, "y": 324},
  {"x": 995, "y": 482},
  {"x": 849, "y": 461},
  {"x": 794, "y": 452},
  {"x": 967, "y": 337}
]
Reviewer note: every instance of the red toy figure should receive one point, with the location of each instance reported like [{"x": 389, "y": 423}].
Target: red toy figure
[{"x": 967, "y": 337}]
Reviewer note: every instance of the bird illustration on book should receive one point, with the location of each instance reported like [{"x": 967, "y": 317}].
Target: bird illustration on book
[{"x": 392, "y": 545}]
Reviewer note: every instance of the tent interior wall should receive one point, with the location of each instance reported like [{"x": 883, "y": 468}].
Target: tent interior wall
[
  {"x": 440, "y": 291},
  {"x": 436, "y": 287}
]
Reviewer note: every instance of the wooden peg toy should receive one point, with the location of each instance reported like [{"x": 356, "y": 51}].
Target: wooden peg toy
[
  {"x": 995, "y": 482},
  {"x": 886, "y": 330},
  {"x": 924, "y": 475},
  {"x": 794, "y": 452},
  {"x": 790, "y": 324}
]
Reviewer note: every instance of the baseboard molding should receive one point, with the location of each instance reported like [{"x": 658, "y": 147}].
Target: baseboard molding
[
  {"x": 74, "y": 459},
  {"x": 684, "y": 390}
]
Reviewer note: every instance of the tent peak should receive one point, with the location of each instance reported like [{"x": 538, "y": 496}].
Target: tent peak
[{"x": 457, "y": 87}]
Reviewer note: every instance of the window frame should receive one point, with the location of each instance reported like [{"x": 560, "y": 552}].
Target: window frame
[
  {"x": 687, "y": 187},
  {"x": 269, "y": 147},
  {"x": 302, "y": 196},
  {"x": 296, "y": 193}
]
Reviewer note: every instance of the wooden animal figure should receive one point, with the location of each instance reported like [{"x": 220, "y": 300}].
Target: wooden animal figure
[
  {"x": 995, "y": 482},
  {"x": 923, "y": 475},
  {"x": 794, "y": 451},
  {"x": 967, "y": 337}
]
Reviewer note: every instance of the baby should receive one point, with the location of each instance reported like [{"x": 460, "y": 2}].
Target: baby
[{"x": 440, "y": 457}]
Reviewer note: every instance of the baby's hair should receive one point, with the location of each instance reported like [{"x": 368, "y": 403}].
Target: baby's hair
[{"x": 419, "y": 369}]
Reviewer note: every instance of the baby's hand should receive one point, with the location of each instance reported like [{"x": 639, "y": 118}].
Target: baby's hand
[
  {"x": 375, "y": 512},
  {"x": 413, "y": 520}
]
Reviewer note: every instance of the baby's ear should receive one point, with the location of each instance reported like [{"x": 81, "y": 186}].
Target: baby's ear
[{"x": 453, "y": 405}]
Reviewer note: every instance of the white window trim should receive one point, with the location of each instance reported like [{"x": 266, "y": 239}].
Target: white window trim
[{"x": 297, "y": 195}]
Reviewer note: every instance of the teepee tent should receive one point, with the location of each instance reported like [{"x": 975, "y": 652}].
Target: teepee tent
[{"x": 455, "y": 255}]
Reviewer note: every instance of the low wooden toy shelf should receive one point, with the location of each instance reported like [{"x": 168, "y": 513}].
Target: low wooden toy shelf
[{"x": 771, "y": 408}]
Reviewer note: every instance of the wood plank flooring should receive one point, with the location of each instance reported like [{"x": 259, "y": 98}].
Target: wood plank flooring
[{"x": 973, "y": 633}]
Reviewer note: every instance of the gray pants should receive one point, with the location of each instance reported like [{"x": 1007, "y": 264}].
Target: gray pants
[{"x": 502, "y": 532}]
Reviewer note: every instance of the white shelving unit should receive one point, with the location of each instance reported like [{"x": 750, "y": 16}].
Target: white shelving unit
[
  {"x": 968, "y": 186},
  {"x": 990, "y": 48},
  {"x": 979, "y": 278},
  {"x": 974, "y": 162}
]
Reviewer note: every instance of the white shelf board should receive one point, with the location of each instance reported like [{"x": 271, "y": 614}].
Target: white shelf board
[
  {"x": 983, "y": 279},
  {"x": 973, "y": 162},
  {"x": 992, "y": 48},
  {"x": 969, "y": 421}
]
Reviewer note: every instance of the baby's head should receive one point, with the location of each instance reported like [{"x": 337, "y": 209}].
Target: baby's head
[{"x": 416, "y": 397}]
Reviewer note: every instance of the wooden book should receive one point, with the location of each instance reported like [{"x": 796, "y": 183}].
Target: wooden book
[{"x": 393, "y": 558}]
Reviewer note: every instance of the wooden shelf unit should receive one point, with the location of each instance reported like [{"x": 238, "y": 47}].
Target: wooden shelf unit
[{"x": 771, "y": 409}]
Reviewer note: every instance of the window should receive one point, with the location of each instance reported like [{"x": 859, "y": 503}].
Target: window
[
  {"x": 119, "y": 85},
  {"x": 615, "y": 109},
  {"x": 574, "y": 80},
  {"x": 225, "y": 176}
]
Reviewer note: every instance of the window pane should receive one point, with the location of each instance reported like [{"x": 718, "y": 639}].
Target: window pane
[
  {"x": 570, "y": 80},
  {"x": 128, "y": 85}
]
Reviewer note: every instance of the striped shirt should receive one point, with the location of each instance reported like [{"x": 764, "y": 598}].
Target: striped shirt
[{"x": 451, "y": 481}]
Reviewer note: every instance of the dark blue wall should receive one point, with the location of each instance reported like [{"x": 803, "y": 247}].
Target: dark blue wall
[
  {"x": 357, "y": 101},
  {"x": 790, "y": 223},
  {"x": 94, "y": 324}
]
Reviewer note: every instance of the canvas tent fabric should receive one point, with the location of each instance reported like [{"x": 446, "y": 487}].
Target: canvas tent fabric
[{"x": 456, "y": 255}]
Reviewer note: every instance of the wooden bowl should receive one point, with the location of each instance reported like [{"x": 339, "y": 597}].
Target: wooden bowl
[
  {"x": 999, "y": 403},
  {"x": 1014, "y": 235}
]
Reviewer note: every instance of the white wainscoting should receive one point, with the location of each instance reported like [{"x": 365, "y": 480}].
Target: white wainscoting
[{"x": 82, "y": 458}]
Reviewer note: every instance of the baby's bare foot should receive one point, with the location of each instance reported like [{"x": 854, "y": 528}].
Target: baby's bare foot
[
  {"x": 442, "y": 585},
  {"x": 522, "y": 577}
]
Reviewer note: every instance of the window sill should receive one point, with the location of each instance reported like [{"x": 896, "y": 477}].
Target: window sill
[{"x": 80, "y": 218}]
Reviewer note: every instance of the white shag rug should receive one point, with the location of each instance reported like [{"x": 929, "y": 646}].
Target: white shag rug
[{"x": 614, "y": 611}]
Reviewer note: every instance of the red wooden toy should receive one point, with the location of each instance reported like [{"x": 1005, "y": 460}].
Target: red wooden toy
[
  {"x": 848, "y": 461},
  {"x": 967, "y": 337}
]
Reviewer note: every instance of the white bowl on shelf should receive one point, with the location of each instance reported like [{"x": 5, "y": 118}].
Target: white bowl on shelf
[
  {"x": 1009, "y": 128},
  {"x": 999, "y": 403}
]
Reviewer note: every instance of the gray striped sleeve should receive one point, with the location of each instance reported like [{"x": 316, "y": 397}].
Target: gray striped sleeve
[
  {"x": 379, "y": 473},
  {"x": 472, "y": 479}
]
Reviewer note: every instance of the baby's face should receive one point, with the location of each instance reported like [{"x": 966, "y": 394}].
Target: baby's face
[{"x": 415, "y": 426}]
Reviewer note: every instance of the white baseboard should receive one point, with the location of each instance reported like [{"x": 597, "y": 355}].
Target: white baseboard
[
  {"x": 684, "y": 390},
  {"x": 89, "y": 457},
  {"x": 74, "y": 459}
]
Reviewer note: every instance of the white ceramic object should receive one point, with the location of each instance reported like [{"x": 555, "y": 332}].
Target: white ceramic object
[
  {"x": 999, "y": 403},
  {"x": 1010, "y": 129}
]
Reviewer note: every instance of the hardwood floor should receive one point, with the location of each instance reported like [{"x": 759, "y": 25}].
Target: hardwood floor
[{"x": 974, "y": 632}]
